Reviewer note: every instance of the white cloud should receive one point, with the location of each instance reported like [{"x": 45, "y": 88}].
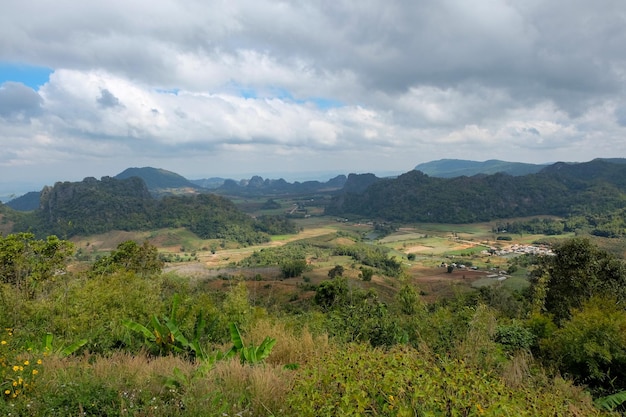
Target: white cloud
[{"x": 373, "y": 85}]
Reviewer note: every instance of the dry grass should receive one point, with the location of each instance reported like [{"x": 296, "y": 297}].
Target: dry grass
[
  {"x": 516, "y": 373},
  {"x": 292, "y": 347},
  {"x": 261, "y": 390}
]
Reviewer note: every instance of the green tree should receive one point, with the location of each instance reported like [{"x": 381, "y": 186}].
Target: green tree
[
  {"x": 337, "y": 271},
  {"x": 293, "y": 267},
  {"x": 366, "y": 273},
  {"x": 129, "y": 256},
  {"x": 408, "y": 300},
  {"x": 331, "y": 293},
  {"x": 591, "y": 346},
  {"x": 578, "y": 271},
  {"x": 25, "y": 261}
]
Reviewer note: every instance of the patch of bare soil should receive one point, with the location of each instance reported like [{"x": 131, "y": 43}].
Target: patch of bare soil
[
  {"x": 418, "y": 249},
  {"x": 437, "y": 283}
]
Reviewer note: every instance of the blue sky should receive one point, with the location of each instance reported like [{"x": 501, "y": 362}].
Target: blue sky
[
  {"x": 226, "y": 89},
  {"x": 32, "y": 76}
]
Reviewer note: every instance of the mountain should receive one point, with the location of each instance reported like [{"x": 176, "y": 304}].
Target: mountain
[
  {"x": 257, "y": 186},
  {"x": 26, "y": 202},
  {"x": 560, "y": 189},
  {"x": 450, "y": 168},
  {"x": 161, "y": 181},
  {"x": 95, "y": 206},
  {"x": 209, "y": 183}
]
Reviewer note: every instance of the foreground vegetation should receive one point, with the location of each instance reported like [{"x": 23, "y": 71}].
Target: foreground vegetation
[{"x": 116, "y": 337}]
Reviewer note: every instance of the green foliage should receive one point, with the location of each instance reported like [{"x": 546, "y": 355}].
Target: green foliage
[
  {"x": 280, "y": 255},
  {"x": 365, "y": 319},
  {"x": 578, "y": 271},
  {"x": 336, "y": 271},
  {"x": 366, "y": 273},
  {"x": 514, "y": 336},
  {"x": 249, "y": 354},
  {"x": 275, "y": 225},
  {"x": 94, "y": 309},
  {"x": 293, "y": 267},
  {"x": 401, "y": 381},
  {"x": 62, "y": 350},
  {"x": 165, "y": 336},
  {"x": 131, "y": 257},
  {"x": 19, "y": 368},
  {"x": 26, "y": 261},
  {"x": 592, "y": 188},
  {"x": 96, "y": 206},
  {"x": 374, "y": 256},
  {"x": 611, "y": 402},
  {"x": 331, "y": 293},
  {"x": 591, "y": 345},
  {"x": 408, "y": 300}
]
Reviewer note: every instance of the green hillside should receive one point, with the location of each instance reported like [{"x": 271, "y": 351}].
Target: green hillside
[
  {"x": 449, "y": 168},
  {"x": 560, "y": 189}
]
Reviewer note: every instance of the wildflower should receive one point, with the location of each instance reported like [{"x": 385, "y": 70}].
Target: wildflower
[
  {"x": 15, "y": 383},
  {"x": 35, "y": 372},
  {"x": 7, "y": 391},
  {"x": 38, "y": 361},
  {"x": 16, "y": 368},
  {"x": 26, "y": 363},
  {"x": 4, "y": 342}
]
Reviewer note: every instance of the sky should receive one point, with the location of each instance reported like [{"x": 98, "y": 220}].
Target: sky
[{"x": 227, "y": 88}]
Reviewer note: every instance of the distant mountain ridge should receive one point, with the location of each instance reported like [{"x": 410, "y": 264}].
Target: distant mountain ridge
[
  {"x": 259, "y": 186},
  {"x": 561, "y": 189},
  {"x": 450, "y": 168},
  {"x": 94, "y": 206},
  {"x": 159, "y": 181}
]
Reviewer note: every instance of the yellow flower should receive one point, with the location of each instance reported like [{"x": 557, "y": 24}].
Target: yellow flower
[
  {"x": 38, "y": 361},
  {"x": 7, "y": 391},
  {"x": 4, "y": 342},
  {"x": 15, "y": 383},
  {"x": 26, "y": 363},
  {"x": 16, "y": 368},
  {"x": 35, "y": 372}
]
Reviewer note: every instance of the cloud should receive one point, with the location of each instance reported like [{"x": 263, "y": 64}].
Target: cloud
[
  {"x": 107, "y": 99},
  {"x": 19, "y": 102},
  {"x": 257, "y": 83}
]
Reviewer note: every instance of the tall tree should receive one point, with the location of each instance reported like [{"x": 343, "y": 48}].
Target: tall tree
[
  {"x": 25, "y": 261},
  {"x": 578, "y": 271}
]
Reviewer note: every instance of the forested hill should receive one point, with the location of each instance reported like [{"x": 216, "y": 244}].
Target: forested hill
[
  {"x": 559, "y": 189},
  {"x": 95, "y": 206},
  {"x": 257, "y": 186},
  {"x": 449, "y": 168},
  {"x": 159, "y": 181}
]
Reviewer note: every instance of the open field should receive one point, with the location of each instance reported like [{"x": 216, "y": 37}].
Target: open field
[{"x": 429, "y": 246}]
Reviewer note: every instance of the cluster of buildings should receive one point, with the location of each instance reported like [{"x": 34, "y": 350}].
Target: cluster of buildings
[{"x": 520, "y": 250}]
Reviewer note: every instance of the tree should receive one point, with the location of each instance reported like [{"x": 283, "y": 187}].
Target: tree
[
  {"x": 591, "y": 346},
  {"x": 25, "y": 261},
  {"x": 293, "y": 267},
  {"x": 129, "y": 256},
  {"x": 337, "y": 271},
  {"x": 578, "y": 271},
  {"x": 366, "y": 273},
  {"x": 331, "y": 293}
]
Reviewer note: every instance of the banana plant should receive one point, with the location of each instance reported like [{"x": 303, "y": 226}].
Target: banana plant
[
  {"x": 166, "y": 336},
  {"x": 249, "y": 354},
  {"x": 63, "y": 350}
]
